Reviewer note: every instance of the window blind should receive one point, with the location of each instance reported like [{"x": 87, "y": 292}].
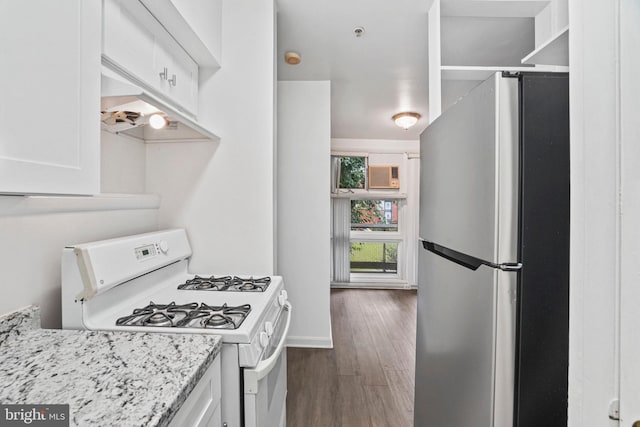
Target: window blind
[{"x": 340, "y": 241}]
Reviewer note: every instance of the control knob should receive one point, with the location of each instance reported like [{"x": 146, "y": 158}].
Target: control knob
[
  {"x": 268, "y": 328},
  {"x": 264, "y": 339},
  {"x": 282, "y": 298},
  {"x": 164, "y": 246}
]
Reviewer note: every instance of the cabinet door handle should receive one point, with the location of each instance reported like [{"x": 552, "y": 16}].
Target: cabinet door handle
[
  {"x": 164, "y": 73},
  {"x": 173, "y": 80}
]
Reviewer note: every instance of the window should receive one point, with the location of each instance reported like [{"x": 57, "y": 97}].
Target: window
[
  {"x": 374, "y": 237},
  {"x": 373, "y": 229},
  {"x": 352, "y": 172},
  {"x": 374, "y": 215},
  {"x": 374, "y": 257}
]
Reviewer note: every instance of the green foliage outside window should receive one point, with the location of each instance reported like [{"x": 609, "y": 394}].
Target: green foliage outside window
[
  {"x": 366, "y": 212},
  {"x": 352, "y": 172}
]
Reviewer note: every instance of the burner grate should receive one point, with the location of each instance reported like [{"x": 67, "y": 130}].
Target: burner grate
[
  {"x": 206, "y": 283},
  {"x": 191, "y": 315},
  {"x": 226, "y": 283}
]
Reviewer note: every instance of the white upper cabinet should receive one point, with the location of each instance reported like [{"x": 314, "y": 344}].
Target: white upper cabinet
[
  {"x": 49, "y": 97},
  {"x": 195, "y": 24},
  {"x": 181, "y": 79},
  {"x": 129, "y": 41},
  {"x": 138, "y": 46}
]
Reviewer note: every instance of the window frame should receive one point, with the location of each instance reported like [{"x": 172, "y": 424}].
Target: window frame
[{"x": 382, "y": 237}]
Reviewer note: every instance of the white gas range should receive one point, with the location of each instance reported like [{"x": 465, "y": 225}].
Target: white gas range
[{"x": 142, "y": 283}]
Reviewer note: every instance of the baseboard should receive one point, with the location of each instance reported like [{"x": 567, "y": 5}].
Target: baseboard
[
  {"x": 369, "y": 285},
  {"x": 310, "y": 342}
]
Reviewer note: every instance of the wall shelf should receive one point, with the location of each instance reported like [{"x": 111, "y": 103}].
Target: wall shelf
[
  {"x": 463, "y": 72},
  {"x": 31, "y": 205},
  {"x": 554, "y": 51}
]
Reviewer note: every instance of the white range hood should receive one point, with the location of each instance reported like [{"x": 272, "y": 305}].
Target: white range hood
[{"x": 118, "y": 94}]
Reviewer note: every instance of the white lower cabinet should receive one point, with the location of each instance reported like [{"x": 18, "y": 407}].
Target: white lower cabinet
[
  {"x": 202, "y": 407},
  {"x": 139, "y": 47},
  {"x": 49, "y": 97},
  {"x": 216, "y": 421}
]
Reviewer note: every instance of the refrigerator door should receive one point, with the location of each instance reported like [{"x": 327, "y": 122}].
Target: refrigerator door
[
  {"x": 469, "y": 174},
  {"x": 465, "y": 345},
  {"x": 543, "y": 316}
]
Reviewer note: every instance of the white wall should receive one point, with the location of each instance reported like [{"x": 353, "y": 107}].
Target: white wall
[
  {"x": 34, "y": 230},
  {"x": 304, "y": 136},
  {"x": 223, "y": 193},
  {"x": 594, "y": 264},
  {"x": 630, "y": 210},
  {"x": 630, "y": 221},
  {"x": 122, "y": 164},
  {"x": 551, "y": 20},
  {"x": 350, "y": 145},
  {"x": 32, "y": 246}
]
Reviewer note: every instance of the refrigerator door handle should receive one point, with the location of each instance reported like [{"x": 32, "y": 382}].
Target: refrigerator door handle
[
  {"x": 509, "y": 266},
  {"x": 465, "y": 260}
]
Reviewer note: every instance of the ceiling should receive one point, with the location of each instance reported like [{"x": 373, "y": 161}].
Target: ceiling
[{"x": 385, "y": 71}]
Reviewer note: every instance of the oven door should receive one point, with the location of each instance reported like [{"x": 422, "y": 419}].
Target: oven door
[{"x": 265, "y": 386}]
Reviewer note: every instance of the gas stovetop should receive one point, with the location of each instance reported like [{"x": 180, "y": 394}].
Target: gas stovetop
[
  {"x": 192, "y": 315},
  {"x": 226, "y": 283}
]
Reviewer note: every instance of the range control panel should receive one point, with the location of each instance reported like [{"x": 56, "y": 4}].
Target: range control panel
[
  {"x": 151, "y": 250},
  {"x": 145, "y": 252}
]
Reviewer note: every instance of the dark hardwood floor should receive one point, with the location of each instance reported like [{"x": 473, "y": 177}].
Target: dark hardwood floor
[{"x": 367, "y": 379}]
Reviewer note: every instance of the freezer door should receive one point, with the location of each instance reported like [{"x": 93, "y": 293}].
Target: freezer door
[
  {"x": 469, "y": 174},
  {"x": 465, "y": 345}
]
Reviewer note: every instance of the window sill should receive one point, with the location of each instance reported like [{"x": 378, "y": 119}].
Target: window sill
[
  {"x": 33, "y": 205},
  {"x": 376, "y": 278},
  {"x": 358, "y": 194},
  {"x": 382, "y": 284}
]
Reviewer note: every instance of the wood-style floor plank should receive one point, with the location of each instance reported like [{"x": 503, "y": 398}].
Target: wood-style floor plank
[
  {"x": 401, "y": 385},
  {"x": 367, "y": 379},
  {"x": 312, "y": 388},
  {"x": 368, "y": 365},
  {"x": 351, "y": 398}
]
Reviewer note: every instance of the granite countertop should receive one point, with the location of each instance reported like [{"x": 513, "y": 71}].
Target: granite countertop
[{"x": 107, "y": 378}]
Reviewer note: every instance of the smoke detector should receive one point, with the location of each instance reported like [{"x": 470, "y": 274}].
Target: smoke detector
[
  {"x": 358, "y": 31},
  {"x": 292, "y": 58}
]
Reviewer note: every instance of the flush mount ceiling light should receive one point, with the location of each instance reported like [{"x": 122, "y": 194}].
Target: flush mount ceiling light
[
  {"x": 406, "y": 120},
  {"x": 157, "y": 121},
  {"x": 292, "y": 58}
]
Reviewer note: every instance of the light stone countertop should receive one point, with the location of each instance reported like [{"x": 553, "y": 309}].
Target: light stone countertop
[{"x": 107, "y": 378}]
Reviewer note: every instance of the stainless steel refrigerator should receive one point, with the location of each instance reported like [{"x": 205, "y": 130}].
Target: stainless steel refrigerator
[{"x": 493, "y": 295}]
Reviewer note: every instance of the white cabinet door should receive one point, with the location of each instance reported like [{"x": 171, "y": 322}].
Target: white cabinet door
[
  {"x": 138, "y": 46},
  {"x": 129, "y": 41},
  {"x": 182, "y": 83},
  {"x": 195, "y": 24},
  {"x": 202, "y": 406},
  {"x": 205, "y": 19},
  {"x": 49, "y": 96}
]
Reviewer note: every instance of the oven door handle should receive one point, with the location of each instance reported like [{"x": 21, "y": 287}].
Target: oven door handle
[{"x": 253, "y": 376}]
